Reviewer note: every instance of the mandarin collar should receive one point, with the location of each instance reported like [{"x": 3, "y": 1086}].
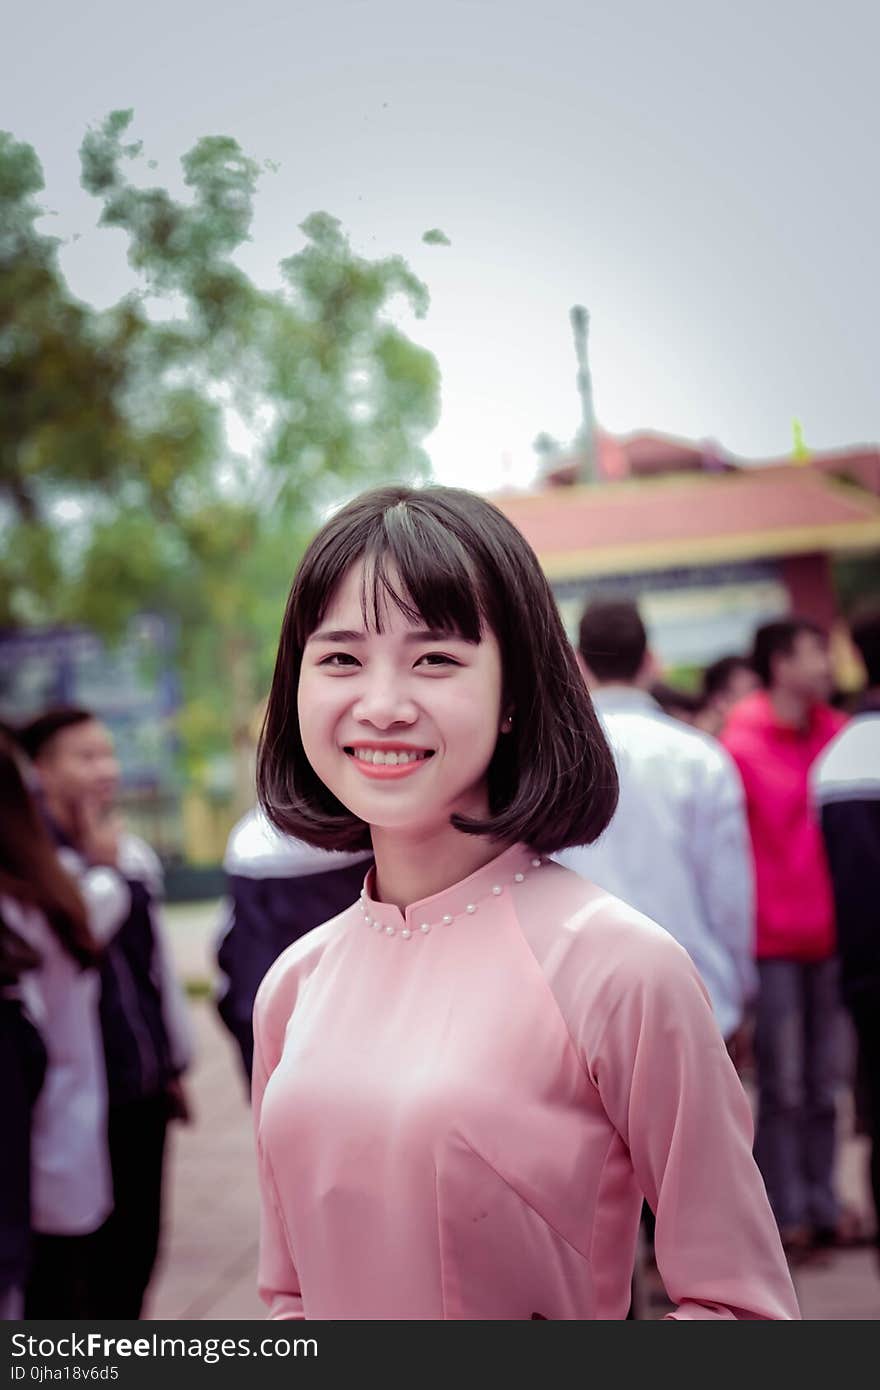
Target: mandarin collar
[{"x": 467, "y": 898}]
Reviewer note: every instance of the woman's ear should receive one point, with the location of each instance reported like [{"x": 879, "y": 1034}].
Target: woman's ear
[{"x": 507, "y": 723}]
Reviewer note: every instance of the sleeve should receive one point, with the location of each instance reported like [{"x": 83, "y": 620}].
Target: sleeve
[
  {"x": 672, "y": 1093},
  {"x": 721, "y": 853},
  {"x": 277, "y": 1280},
  {"x": 175, "y": 1011},
  {"x": 104, "y": 892},
  {"x": 108, "y": 902}
]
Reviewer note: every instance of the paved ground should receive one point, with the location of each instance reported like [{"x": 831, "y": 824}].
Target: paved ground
[{"x": 207, "y": 1269}]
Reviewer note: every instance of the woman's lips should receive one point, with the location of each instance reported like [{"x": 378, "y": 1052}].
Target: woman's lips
[{"x": 388, "y": 772}]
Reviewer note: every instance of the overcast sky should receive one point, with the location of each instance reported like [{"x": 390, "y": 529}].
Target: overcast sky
[{"x": 702, "y": 175}]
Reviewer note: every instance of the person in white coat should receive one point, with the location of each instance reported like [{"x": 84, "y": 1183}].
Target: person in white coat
[{"x": 678, "y": 846}]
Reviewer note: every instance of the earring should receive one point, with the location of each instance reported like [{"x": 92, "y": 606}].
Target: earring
[{"x": 507, "y": 724}]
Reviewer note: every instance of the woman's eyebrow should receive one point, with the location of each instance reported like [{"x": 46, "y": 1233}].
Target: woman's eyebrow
[
  {"x": 342, "y": 635},
  {"x": 436, "y": 634},
  {"x": 428, "y": 634}
]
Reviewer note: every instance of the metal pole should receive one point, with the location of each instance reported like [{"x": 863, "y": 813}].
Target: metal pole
[{"x": 580, "y": 324}]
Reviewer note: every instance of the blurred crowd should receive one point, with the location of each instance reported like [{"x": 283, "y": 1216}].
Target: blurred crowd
[
  {"x": 748, "y": 826},
  {"x": 748, "y": 830}
]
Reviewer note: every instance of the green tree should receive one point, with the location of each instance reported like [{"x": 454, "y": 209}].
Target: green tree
[
  {"x": 121, "y": 491},
  {"x": 63, "y": 430}
]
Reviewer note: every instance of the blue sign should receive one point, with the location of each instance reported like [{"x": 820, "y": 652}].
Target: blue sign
[{"x": 131, "y": 686}]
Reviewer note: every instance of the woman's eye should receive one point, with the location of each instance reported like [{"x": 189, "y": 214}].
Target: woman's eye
[
  {"x": 437, "y": 659},
  {"x": 338, "y": 659}
]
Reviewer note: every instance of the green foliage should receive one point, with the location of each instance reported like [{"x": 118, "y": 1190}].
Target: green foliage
[
  {"x": 119, "y": 488},
  {"x": 436, "y": 237},
  {"x": 688, "y": 678}
]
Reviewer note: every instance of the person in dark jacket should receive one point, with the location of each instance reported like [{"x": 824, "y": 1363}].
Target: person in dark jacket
[
  {"x": 277, "y": 889},
  {"x": 846, "y": 786},
  {"x": 142, "y": 1012}
]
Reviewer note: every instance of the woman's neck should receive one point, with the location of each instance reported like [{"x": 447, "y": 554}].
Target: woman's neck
[{"x": 412, "y": 867}]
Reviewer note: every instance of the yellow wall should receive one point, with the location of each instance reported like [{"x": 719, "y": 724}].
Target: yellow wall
[{"x": 206, "y": 827}]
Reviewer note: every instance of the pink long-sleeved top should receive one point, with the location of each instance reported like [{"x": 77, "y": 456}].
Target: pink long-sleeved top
[{"x": 459, "y": 1107}]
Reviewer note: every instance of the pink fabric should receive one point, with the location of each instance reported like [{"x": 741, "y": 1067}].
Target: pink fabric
[
  {"x": 795, "y": 904},
  {"x": 461, "y": 1124}
]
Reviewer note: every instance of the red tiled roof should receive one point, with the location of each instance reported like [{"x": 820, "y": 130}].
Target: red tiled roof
[
  {"x": 646, "y": 454},
  {"x": 859, "y": 465},
  {"x": 693, "y": 519}
]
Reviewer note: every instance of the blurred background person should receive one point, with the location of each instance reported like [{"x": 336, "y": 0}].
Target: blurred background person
[
  {"x": 725, "y": 682},
  {"x": 55, "y": 1165},
  {"x": 278, "y": 889},
  {"x": 22, "y": 1068},
  {"x": 678, "y": 846},
  {"x": 683, "y": 705},
  {"x": 846, "y": 784},
  {"x": 774, "y": 735},
  {"x": 142, "y": 1010}
]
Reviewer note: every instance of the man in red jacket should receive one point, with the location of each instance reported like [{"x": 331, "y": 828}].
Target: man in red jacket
[{"x": 774, "y": 736}]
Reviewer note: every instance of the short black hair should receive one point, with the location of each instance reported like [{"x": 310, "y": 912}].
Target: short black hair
[
  {"x": 864, "y": 629},
  {"x": 462, "y": 567},
  {"x": 34, "y": 737},
  {"x": 717, "y": 675},
  {"x": 612, "y": 639},
  {"x": 778, "y": 639}
]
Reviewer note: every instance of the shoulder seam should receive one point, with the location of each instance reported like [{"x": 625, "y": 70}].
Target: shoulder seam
[{"x": 564, "y": 1021}]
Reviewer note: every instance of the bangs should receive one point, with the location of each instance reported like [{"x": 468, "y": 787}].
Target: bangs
[{"x": 412, "y": 561}]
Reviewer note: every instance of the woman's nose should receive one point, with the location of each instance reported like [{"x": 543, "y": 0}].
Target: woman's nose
[{"x": 383, "y": 704}]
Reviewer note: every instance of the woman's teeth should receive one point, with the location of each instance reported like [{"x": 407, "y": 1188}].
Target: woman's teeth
[{"x": 376, "y": 755}]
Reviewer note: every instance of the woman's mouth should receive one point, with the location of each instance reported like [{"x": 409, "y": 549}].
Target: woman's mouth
[{"x": 384, "y": 763}]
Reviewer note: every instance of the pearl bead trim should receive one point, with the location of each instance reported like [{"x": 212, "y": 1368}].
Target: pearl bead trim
[{"x": 406, "y": 933}]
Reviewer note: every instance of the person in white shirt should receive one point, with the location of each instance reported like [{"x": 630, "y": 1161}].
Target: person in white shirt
[
  {"x": 678, "y": 846},
  {"x": 143, "y": 1015}
]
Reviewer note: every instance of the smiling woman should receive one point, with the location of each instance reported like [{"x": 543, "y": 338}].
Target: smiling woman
[
  {"x": 465, "y": 1083},
  {"x": 391, "y": 701},
  {"x": 424, "y": 612}
]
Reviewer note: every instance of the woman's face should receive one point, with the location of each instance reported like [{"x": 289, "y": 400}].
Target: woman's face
[{"x": 399, "y": 725}]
